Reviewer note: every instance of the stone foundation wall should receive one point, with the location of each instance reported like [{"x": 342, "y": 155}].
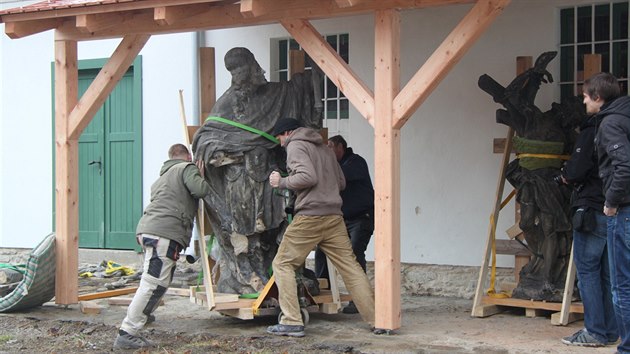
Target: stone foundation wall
[{"x": 416, "y": 279}]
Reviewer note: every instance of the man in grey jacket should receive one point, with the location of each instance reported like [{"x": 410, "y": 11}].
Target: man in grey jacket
[
  {"x": 316, "y": 178},
  {"x": 602, "y": 96},
  {"x": 163, "y": 232}
]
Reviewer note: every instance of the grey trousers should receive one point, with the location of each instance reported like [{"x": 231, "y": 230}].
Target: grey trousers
[{"x": 160, "y": 259}]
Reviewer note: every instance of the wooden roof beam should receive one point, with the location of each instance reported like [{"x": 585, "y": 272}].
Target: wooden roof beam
[
  {"x": 337, "y": 70},
  {"x": 21, "y": 29},
  {"x": 251, "y": 8},
  {"x": 170, "y": 15},
  {"x": 230, "y": 16},
  {"x": 99, "y": 22},
  {"x": 104, "y": 83},
  {"x": 444, "y": 58},
  {"x": 347, "y": 3}
]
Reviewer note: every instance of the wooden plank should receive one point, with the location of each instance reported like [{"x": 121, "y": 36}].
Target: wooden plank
[
  {"x": 329, "y": 61},
  {"x": 263, "y": 293},
  {"x": 296, "y": 62},
  {"x": 125, "y": 301},
  {"x": 334, "y": 288},
  {"x": 487, "y": 310},
  {"x": 104, "y": 83},
  {"x": 244, "y": 313},
  {"x": 178, "y": 292},
  {"x": 567, "y": 296},
  {"x": 326, "y": 297},
  {"x": 90, "y": 307},
  {"x": 219, "y": 298},
  {"x": 520, "y": 262},
  {"x": 498, "y": 144},
  {"x": 514, "y": 231},
  {"x": 251, "y": 8},
  {"x": 109, "y": 293},
  {"x": 169, "y": 15},
  {"x": 534, "y": 313},
  {"x": 556, "y": 319},
  {"x": 66, "y": 175},
  {"x": 241, "y": 303},
  {"x": 329, "y": 308},
  {"x": 387, "y": 167},
  {"x": 207, "y": 81},
  {"x": 541, "y": 305},
  {"x": 592, "y": 64},
  {"x": 511, "y": 247},
  {"x": 444, "y": 58}
]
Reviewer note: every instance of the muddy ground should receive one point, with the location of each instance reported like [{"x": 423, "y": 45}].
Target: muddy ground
[{"x": 429, "y": 325}]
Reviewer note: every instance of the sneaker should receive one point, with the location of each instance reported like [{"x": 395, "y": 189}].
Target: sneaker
[
  {"x": 583, "y": 339},
  {"x": 125, "y": 340},
  {"x": 286, "y": 330},
  {"x": 351, "y": 308},
  {"x": 379, "y": 331}
]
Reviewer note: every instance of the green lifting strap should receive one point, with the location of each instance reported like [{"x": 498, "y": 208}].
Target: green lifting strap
[{"x": 245, "y": 127}]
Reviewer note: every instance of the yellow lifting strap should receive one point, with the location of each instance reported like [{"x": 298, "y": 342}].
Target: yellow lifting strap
[
  {"x": 493, "y": 273},
  {"x": 544, "y": 156}
]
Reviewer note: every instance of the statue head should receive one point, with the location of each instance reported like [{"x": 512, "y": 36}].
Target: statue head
[{"x": 245, "y": 70}]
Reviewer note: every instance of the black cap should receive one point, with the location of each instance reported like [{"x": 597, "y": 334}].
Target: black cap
[{"x": 285, "y": 124}]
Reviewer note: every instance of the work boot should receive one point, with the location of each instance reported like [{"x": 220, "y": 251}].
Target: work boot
[
  {"x": 350, "y": 309},
  {"x": 286, "y": 330},
  {"x": 125, "y": 340},
  {"x": 150, "y": 318}
]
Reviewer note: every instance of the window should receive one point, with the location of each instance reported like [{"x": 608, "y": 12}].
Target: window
[
  {"x": 336, "y": 105},
  {"x": 593, "y": 29}
]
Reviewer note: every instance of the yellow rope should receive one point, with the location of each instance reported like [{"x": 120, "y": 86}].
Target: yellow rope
[
  {"x": 544, "y": 156},
  {"x": 493, "y": 273}
]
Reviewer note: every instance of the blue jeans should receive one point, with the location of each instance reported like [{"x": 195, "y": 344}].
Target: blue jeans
[
  {"x": 619, "y": 255},
  {"x": 360, "y": 231},
  {"x": 591, "y": 260}
]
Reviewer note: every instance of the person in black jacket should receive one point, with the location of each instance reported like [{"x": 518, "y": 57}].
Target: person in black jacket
[
  {"x": 590, "y": 252},
  {"x": 357, "y": 208},
  {"x": 602, "y": 97}
]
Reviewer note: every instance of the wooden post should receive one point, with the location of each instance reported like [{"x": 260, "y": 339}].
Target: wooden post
[
  {"x": 387, "y": 167},
  {"x": 207, "y": 81},
  {"x": 66, "y": 175},
  {"x": 296, "y": 62}
]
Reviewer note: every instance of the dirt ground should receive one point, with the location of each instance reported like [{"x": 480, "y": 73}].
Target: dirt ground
[{"x": 429, "y": 325}]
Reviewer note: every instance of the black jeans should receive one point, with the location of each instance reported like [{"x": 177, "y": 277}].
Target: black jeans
[{"x": 360, "y": 231}]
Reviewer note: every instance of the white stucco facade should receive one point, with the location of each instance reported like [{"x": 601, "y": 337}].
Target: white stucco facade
[{"x": 448, "y": 170}]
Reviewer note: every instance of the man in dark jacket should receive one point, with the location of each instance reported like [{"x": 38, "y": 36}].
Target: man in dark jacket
[
  {"x": 602, "y": 97},
  {"x": 164, "y": 231},
  {"x": 317, "y": 179},
  {"x": 357, "y": 207},
  {"x": 589, "y": 242}
]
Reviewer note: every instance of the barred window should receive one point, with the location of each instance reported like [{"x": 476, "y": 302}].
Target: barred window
[{"x": 593, "y": 29}]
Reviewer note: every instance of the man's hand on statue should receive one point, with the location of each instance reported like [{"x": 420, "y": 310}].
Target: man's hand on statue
[
  {"x": 201, "y": 166},
  {"x": 274, "y": 179},
  {"x": 610, "y": 211}
]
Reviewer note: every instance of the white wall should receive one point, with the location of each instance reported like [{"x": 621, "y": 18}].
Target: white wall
[
  {"x": 449, "y": 172},
  {"x": 26, "y": 122}
]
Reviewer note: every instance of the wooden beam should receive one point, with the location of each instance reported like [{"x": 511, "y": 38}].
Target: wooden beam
[
  {"x": 108, "y": 293},
  {"x": 347, "y": 3},
  {"x": 17, "y": 30},
  {"x": 104, "y": 83},
  {"x": 169, "y": 15},
  {"x": 230, "y": 16},
  {"x": 251, "y": 8},
  {"x": 99, "y": 22},
  {"x": 387, "y": 171},
  {"x": 296, "y": 62},
  {"x": 207, "y": 81},
  {"x": 66, "y": 175},
  {"x": 445, "y": 57},
  {"x": 337, "y": 70}
]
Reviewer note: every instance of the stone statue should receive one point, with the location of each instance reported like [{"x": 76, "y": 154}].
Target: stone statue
[
  {"x": 540, "y": 141},
  {"x": 246, "y": 214}
]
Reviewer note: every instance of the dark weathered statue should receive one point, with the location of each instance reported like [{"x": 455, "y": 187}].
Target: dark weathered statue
[
  {"x": 541, "y": 139},
  {"x": 246, "y": 214}
]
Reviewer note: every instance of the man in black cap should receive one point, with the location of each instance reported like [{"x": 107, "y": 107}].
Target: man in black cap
[{"x": 317, "y": 179}]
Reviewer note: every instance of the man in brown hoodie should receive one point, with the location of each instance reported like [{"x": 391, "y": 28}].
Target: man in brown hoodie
[{"x": 317, "y": 179}]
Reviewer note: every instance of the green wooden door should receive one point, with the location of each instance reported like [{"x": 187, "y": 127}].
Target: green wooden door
[{"x": 110, "y": 164}]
